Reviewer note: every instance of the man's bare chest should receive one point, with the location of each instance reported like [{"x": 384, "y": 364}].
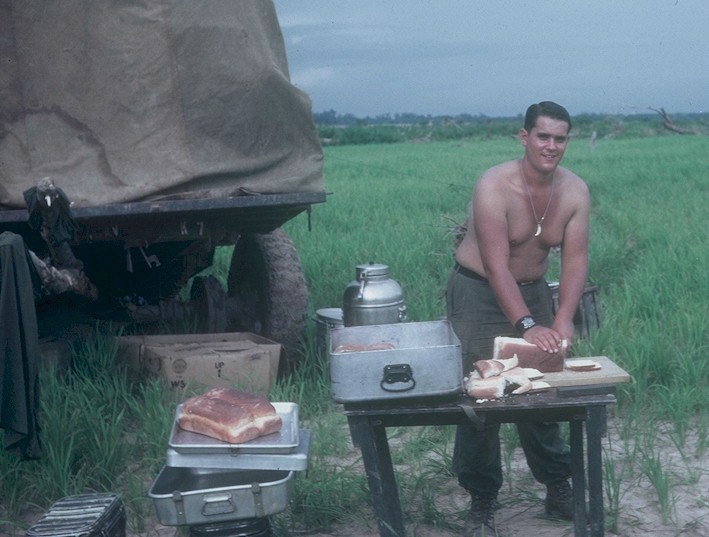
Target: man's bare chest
[{"x": 526, "y": 228}]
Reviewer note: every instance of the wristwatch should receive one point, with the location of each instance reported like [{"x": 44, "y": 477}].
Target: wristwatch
[{"x": 525, "y": 323}]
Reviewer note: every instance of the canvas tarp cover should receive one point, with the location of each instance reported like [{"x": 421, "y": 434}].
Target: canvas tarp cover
[{"x": 135, "y": 100}]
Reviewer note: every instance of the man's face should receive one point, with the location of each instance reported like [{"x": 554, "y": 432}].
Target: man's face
[{"x": 546, "y": 143}]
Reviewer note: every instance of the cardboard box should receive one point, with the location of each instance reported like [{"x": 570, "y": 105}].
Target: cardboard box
[{"x": 240, "y": 359}]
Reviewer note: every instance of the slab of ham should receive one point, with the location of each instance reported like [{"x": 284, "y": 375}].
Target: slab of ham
[{"x": 229, "y": 415}]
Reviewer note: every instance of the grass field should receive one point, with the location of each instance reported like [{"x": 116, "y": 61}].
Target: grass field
[{"x": 397, "y": 204}]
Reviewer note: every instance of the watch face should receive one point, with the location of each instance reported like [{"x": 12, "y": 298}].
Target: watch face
[{"x": 527, "y": 323}]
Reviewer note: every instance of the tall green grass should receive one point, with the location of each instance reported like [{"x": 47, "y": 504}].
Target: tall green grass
[{"x": 398, "y": 204}]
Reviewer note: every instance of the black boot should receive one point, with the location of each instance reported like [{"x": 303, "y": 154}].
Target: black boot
[
  {"x": 559, "y": 502},
  {"x": 480, "y": 521}
]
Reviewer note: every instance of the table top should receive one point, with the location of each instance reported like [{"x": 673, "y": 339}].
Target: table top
[
  {"x": 609, "y": 373},
  {"x": 569, "y": 389}
]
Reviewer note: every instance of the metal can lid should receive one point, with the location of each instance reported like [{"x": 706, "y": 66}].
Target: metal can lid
[
  {"x": 372, "y": 269},
  {"x": 329, "y": 314}
]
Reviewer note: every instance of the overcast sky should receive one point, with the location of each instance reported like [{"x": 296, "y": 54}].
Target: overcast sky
[{"x": 494, "y": 57}]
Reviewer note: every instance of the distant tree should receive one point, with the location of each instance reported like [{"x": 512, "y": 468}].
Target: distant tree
[
  {"x": 328, "y": 117},
  {"x": 669, "y": 124},
  {"x": 336, "y": 129}
]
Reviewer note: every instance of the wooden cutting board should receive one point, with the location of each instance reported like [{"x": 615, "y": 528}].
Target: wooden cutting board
[{"x": 610, "y": 373}]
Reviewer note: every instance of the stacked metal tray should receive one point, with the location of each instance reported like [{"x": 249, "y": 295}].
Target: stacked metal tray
[
  {"x": 207, "y": 480},
  {"x": 285, "y": 450}
]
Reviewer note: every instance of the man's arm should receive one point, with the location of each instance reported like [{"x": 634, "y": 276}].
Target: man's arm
[
  {"x": 574, "y": 265},
  {"x": 492, "y": 234}
]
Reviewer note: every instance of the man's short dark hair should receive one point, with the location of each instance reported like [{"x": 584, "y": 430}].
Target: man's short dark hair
[{"x": 545, "y": 109}]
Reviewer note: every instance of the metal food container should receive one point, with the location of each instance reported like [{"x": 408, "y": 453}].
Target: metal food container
[
  {"x": 425, "y": 362},
  {"x": 189, "y": 496},
  {"x": 326, "y": 320},
  {"x": 373, "y": 298}
]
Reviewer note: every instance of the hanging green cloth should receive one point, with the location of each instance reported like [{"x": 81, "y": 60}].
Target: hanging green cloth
[{"x": 19, "y": 349}]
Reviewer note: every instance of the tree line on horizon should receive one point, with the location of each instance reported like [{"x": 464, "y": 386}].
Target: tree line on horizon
[{"x": 347, "y": 129}]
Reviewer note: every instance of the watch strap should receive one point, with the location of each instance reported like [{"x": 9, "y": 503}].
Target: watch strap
[{"x": 525, "y": 323}]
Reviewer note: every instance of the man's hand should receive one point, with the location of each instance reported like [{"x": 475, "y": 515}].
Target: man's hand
[
  {"x": 565, "y": 329},
  {"x": 547, "y": 339}
]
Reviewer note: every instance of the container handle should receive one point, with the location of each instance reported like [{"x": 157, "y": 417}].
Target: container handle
[
  {"x": 217, "y": 504},
  {"x": 397, "y": 373},
  {"x": 258, "y": 499},
  {"x": 362, "y": 281},
  {"x": 179, "y": 507}
]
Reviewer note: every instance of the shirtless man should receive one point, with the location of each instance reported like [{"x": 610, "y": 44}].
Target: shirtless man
[{"x": 520, "y": 210}]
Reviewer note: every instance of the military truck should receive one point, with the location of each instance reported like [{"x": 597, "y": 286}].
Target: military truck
[{"x": 136, "y": 139}]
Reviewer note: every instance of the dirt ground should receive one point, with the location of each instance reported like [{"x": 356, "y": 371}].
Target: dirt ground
[
  {"x": 640, "y": 517},
  {"x": 522, "y": 508},
  {"x": 522, "y": 504}
]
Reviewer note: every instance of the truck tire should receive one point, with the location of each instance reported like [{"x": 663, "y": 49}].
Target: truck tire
[{"x": 266, "y": 277}]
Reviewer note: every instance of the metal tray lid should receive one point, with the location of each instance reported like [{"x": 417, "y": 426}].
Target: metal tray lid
[
  {"x": 296, "y": 460},
  {"x": 284, "y": 441}
]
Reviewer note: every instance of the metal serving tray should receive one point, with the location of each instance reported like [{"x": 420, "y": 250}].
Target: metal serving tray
[
  {"x": 189, "y": 496},
  {"x": 296, "y": 460},
  {"x": 284, "y": 441},
  {"x": 424, "y": 363}
]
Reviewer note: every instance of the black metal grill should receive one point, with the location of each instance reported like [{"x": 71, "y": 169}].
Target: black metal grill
[{"x": 253, "y": 527}]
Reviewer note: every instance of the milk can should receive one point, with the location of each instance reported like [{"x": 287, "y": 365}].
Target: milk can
[{"x": 373, "y": 298}]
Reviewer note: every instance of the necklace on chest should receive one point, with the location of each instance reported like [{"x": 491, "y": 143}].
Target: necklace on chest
[{"x": 539, "y": 221}]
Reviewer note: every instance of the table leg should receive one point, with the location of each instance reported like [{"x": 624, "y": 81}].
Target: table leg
[
  {"x": 578, "y": 480},
  {"x": 595, "y": 427},
  {"x": 373, "y": 443}
]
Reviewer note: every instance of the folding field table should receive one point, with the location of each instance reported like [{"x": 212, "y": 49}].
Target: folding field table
[{"x": 581, "y": 404}]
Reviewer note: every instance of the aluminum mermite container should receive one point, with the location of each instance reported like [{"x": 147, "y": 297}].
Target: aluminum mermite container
[
  {"x": 395, "y": 361},
  {"x": 373, "y": 297},
  {"x": 228, "y": 490},
  {"x": 194, "y": 496}
]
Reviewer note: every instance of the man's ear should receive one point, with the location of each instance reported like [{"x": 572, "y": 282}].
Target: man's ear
[{"x": 523, "y": 134}]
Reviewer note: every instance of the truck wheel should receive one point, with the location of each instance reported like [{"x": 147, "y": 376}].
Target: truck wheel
[{"x": 266, "y": 278}]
